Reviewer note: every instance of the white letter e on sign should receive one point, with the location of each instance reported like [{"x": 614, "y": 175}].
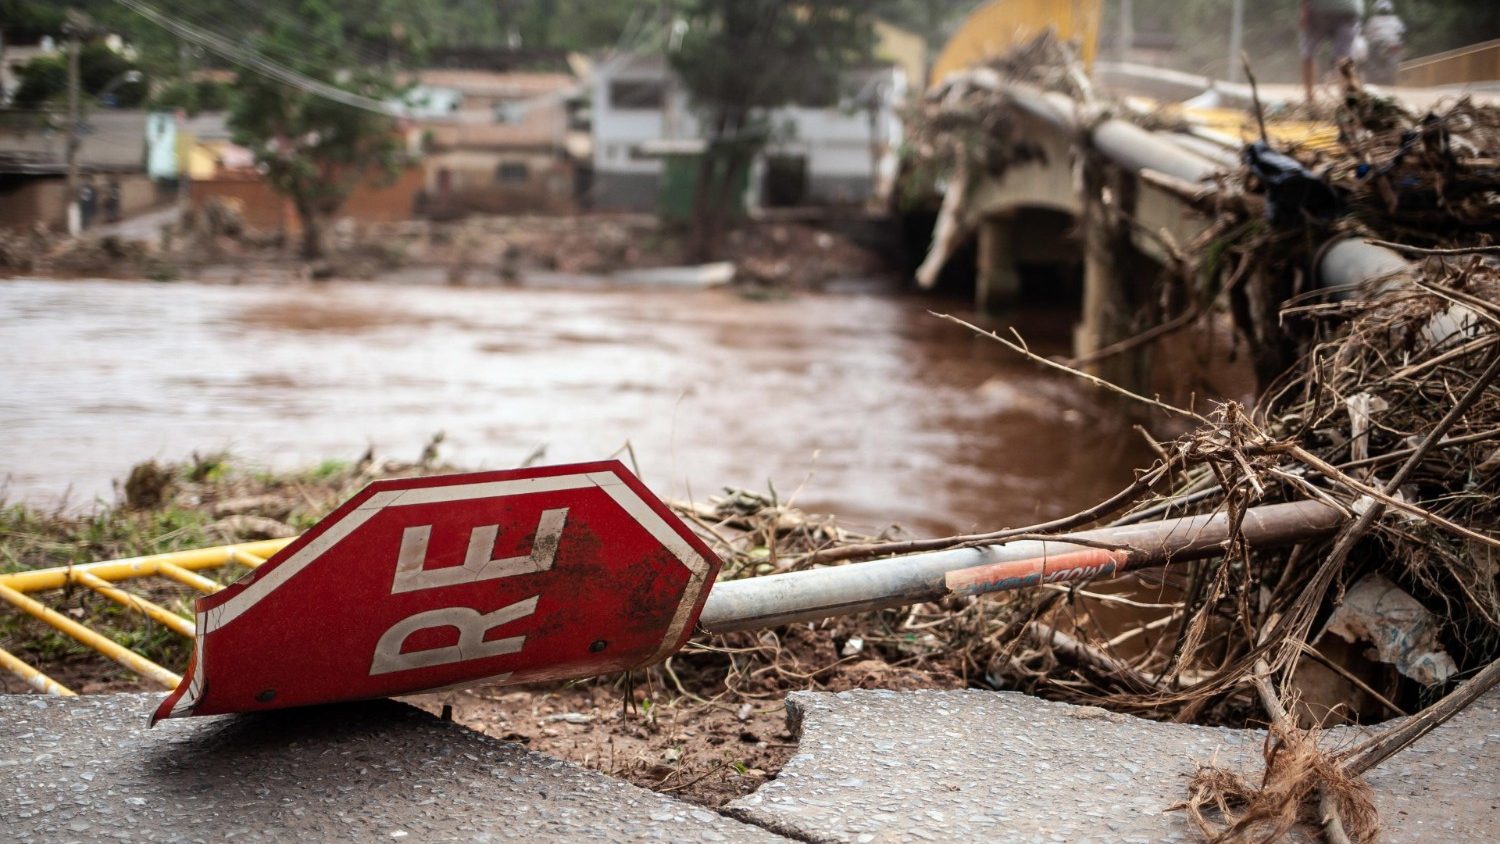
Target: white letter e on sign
[{"x": 471, "y": 624}]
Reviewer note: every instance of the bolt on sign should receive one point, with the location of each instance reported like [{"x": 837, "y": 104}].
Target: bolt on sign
[{"x": 431, "y": 583}]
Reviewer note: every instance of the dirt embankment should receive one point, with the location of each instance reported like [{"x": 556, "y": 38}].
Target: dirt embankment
[{"x": 214, "y": 243}]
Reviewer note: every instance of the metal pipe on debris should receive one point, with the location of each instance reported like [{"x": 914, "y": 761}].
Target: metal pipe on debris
[
  {"x": 1346, "y": 265},
  {"x": 1122, "y": 142},
  {"x": 899, "y": 581}
]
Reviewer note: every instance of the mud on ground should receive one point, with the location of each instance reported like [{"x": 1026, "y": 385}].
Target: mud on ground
[
  {"x": 701, "y": 743},
  {"x": 215, "y": 243}
]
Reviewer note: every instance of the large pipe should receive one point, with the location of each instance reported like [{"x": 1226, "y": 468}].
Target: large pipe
[
  {"x": 899, "y": 581},
  {"x": 1348, "y": 264},
  {"x": 1058, "y": 110},
  {"x": 1123, "y": 143},
  {"x": 1136, "y": 149}
]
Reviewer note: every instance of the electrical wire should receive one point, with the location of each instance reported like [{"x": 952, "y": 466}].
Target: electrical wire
[
  {"x": 639, "y": 30},
  {"x": 251, "y": 60}
]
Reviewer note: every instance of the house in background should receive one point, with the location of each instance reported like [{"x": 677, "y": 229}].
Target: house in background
[
  {"x": 494, "y": 141},
  {"x": 33, "y": 165},
  {"x": 838, "y": 151}
]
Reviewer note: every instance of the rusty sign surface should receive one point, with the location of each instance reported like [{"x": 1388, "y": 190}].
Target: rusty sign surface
[{"x": 428, "y": 583}]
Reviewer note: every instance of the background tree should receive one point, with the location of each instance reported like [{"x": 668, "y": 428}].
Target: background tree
[
  {"x": 44, "y": 79},
  {"x": 738, "y": 59},
  {"x": 313, "y": 150}
]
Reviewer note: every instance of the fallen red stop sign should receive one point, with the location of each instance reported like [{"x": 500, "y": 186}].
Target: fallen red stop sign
[{"x": 422, "y": 584}]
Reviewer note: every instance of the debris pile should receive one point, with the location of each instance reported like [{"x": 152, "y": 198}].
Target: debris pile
[
  {"x": 1428, "y": 179},
  {"x": 1382, "y": 403}
]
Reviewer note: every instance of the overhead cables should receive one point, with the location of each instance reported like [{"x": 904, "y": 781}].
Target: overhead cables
[{"x": 251, "y": 60}]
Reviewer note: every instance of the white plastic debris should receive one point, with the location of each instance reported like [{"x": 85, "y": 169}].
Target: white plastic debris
[{"x": 1403, "y": 631}]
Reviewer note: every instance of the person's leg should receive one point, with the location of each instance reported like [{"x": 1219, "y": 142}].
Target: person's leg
[
  {"x": 1341, "y": 36},
  {"x": 1308, "y": 38}
]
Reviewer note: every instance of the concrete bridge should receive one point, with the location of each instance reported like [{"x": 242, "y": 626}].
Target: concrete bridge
[{"x": 1113, "y": 201}]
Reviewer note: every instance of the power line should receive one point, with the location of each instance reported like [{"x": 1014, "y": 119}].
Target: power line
[
  {"x": 638, "y": 30},
  {"x": 254, "y": 61}
]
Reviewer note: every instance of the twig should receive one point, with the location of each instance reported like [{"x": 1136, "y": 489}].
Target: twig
[
  {"x": 694, "y": 781},
  {"x": 1150, "y": 335},
  {"x": 1260, "y": 112},
  {"x": 1478, "y": 436},
  {"x": 1312, "y": 596},
  {"x": 1381, "y": 747},
  {"x": 912, "y": 546},
  {"x": 1021, "y": 349},
  {"x": 1385, "y": 499},
  {"x": 1424, "y": 250},
  {"x": 1046, "y": 635},
  {"x": 1474, "y": 345},
  {"x": 1333, "y": 822}
]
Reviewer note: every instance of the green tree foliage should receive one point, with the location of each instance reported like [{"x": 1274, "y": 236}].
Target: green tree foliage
[
  {"x": 193, "y": 97},
  {"x": 313, "y": 150},
  {"x": 44, "y": 79},
  {"x": 101, "y": 69},
  {"x": 740, "y": 58}
]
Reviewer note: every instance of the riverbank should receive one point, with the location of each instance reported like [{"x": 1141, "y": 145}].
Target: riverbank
[{"x": 214, "y": 244}]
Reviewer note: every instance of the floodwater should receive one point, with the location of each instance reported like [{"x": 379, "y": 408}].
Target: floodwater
[{"x": 858, "y": 403}]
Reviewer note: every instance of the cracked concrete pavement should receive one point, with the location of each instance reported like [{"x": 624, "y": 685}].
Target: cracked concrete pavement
[
  {"x": 967, "y": 765},
  {"x": 872, "y": 766},
  {"x": 88, "y": 769}
]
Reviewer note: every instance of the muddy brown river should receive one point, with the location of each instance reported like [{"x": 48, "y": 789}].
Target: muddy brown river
[{"x": 859, "y": 403}]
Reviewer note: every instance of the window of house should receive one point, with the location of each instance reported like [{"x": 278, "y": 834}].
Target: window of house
[
  {"x": 512, "y": 173},
  {"x": 509, "y": 112},
  {"x": 639, "y": 94}
]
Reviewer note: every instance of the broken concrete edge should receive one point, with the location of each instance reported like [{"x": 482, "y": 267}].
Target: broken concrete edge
[{"x": 969, "y": 764}]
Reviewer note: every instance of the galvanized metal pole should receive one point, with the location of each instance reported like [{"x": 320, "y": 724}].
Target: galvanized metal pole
[
  {"x": 899, "y": 581},
  {"x": 1236, "y": 40},
  {"x": 74, "y": 220}
]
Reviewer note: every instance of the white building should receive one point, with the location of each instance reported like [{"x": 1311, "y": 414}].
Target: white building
[{"x": 842, "y": 153}]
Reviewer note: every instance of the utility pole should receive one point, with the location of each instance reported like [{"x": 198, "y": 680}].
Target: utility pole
[
  {"x": 75, "y": 214},
  {"x": 1126, "y": 37},
  {"x": 1236, "y": 40}
]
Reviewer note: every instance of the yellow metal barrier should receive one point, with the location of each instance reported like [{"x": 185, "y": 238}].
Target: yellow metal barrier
[
  {"x": 996, "y": 26},
  {"x": 178, "y": 566},
  {"x": 34, "y": 678}
]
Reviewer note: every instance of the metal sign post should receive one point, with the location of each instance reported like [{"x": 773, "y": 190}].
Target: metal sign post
[{"x": 539, "y": 574}]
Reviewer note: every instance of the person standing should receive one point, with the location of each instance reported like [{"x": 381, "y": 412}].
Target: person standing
[
  {"x": 1386, "y": 34},
  {"x": 88, "y": 202},
  {"x": 112, "y": 200},
  {"x": 1334, "y": 21}
]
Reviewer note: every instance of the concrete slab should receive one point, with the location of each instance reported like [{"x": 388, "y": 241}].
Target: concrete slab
[
  {"x": 87, "y": 769},
  {"x": 968, "y": 765}
]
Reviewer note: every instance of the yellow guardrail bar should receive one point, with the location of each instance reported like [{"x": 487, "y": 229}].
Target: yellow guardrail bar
[
  {"x": 102, "y": 577},
  {"x": 34, "y": 678}
]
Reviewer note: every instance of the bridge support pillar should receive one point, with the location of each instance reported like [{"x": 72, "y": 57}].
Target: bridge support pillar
[
  {"x": 1118, "y": 284},
  {"x": 999, "y": 283}
]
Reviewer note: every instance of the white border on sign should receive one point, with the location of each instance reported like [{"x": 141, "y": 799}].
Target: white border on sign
[{"x": 612, "y": 485}]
